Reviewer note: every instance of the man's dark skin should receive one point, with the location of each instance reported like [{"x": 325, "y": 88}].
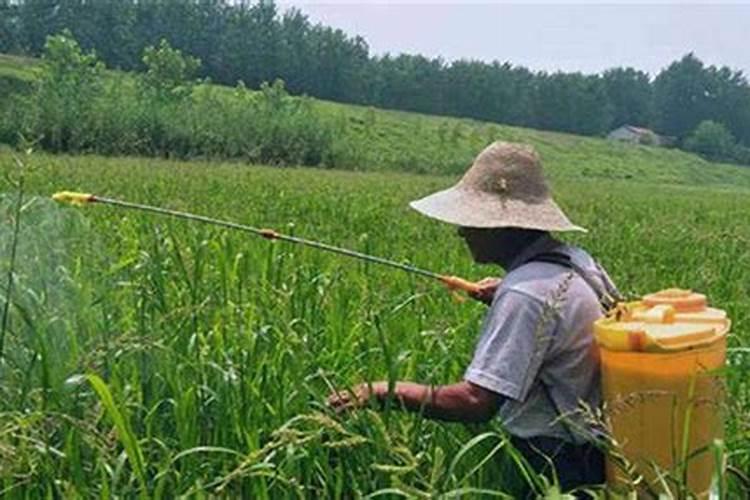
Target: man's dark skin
[{"x": 462, "y": 401}]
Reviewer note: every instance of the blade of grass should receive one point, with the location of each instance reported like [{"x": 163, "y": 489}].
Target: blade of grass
[
  {"x": 124, "y": 432},
  {"x": 13, "y": 249}
]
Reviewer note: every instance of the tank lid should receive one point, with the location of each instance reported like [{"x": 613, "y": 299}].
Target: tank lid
[
  {"x": 682, "y": 300},
  {"x": 669, "y": 320}
]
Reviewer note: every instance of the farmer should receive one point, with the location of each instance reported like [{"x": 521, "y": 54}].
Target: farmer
[{"x": 535, "y": 364}]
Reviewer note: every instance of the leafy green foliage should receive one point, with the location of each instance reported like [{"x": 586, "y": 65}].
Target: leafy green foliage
[
  {"x": 712, "y": 140},
  {"x": 215, "y": 350},
  {"x": 680, "y": 95},
  {"x": 253, "y": 42},
  {"x": 75, "y": 107},
  {"x": 123, "y": 117},
  {"x": 8, "y": 30},
  {"x": 572, "y": 103},
  {"x": 60, "y": 110},
  {"x": 631, "y": 96},
  {"x": 168, "y": 73},
  {"x": 688, "y": 93}
]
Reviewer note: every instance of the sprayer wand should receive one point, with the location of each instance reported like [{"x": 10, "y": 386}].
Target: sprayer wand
[{"x": 452, "y": 282}]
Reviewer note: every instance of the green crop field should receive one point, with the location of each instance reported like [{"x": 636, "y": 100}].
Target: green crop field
[
  {"x": 152, "y": 357},
  {"x": 142, "y": 356}
]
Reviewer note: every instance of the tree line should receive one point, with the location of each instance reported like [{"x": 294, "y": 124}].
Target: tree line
[{"x": 705, "y": 108}]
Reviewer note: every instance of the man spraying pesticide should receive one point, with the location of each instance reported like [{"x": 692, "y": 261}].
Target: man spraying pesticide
[
  {"x": 558, "y": 338},
  {"x": 536, "y": 359}
]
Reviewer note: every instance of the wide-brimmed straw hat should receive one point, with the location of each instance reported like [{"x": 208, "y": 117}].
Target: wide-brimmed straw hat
[{"x": 505, "y": 187}]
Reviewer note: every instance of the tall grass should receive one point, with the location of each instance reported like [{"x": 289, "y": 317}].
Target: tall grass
[
  {"x": 18, "y": 184},
  {"x": 153, "y": 357}
]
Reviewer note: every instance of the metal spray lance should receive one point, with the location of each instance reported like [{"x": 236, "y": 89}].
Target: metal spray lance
[{"x": 452, "y": 282}]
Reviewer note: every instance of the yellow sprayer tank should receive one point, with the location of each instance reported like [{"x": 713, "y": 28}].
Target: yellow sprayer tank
[{"x": 662, "y": 392}]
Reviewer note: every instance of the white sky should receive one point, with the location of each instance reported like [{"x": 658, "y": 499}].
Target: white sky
[{"x": 587, "y": 37}]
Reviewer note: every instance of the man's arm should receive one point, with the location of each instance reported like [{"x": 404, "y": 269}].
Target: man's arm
[{"x": 461, "y": 402}]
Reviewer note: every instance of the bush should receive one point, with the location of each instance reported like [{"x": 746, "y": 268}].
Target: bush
[
  {"x": 290, "y": 129},
  {"x": 74, "y": 107},
  {"x": 741, "y": 154},
  {"x": 712, "y": 140},
  {"x": 648, "y": 139},
  {"x": 169, "y": 74},
  {"x": 58, "y": 113}
]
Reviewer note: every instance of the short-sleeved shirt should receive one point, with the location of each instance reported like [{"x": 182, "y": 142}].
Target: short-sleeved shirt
[{"x": 537, "y": 347}]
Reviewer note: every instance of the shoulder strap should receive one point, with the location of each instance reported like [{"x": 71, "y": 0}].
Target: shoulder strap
[{"x": 607, "y": 300}]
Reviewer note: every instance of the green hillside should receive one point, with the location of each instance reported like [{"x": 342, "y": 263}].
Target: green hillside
[
  {"x": 428, "y": 144},
  {"x": 16, "y": 74},
  {"x": 379, "y": 140},
  {"x": 18, "y": 67}
]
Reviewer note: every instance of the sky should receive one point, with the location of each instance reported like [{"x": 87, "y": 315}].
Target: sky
[{"x": 588, "y": 37}]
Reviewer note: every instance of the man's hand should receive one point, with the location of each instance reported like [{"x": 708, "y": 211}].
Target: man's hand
[
  {"x": 360, "y": 395},
  {"x": 486, "y": 292}
]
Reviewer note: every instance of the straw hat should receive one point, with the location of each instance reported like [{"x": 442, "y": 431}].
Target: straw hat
[{"x": 505, "y": 187}]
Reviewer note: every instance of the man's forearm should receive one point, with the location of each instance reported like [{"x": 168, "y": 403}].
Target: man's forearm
[{"x": 454, "y": 403}]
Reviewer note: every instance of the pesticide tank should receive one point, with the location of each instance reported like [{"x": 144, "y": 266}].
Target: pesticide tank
[{"x": 663, "y": 395}]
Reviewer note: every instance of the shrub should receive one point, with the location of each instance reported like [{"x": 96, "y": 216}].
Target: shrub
[
  {"x": 712, "y": 140},
  {"x": 74, "y": 107},
  {"x": 290, "y": 130},
  {"x": 648, "y": 139},
  {"x": 169, "y": 74},
  {"x": 59, "y": 111},
  {"x": 741, "y": 154}
]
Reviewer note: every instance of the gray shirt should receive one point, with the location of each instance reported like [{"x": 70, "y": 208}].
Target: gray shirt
[{"x": 537, "y": 347}]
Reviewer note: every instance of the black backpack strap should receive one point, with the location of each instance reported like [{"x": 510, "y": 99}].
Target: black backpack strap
[{"x": 607, "y": 300}]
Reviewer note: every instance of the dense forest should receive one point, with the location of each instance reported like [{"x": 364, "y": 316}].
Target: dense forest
[{"x": 704, "y": 108}]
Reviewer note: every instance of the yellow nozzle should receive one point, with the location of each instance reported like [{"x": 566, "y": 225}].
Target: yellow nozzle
[
  {"x": 455, "y": 283},
  {"x": 78, "y": 199}
]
